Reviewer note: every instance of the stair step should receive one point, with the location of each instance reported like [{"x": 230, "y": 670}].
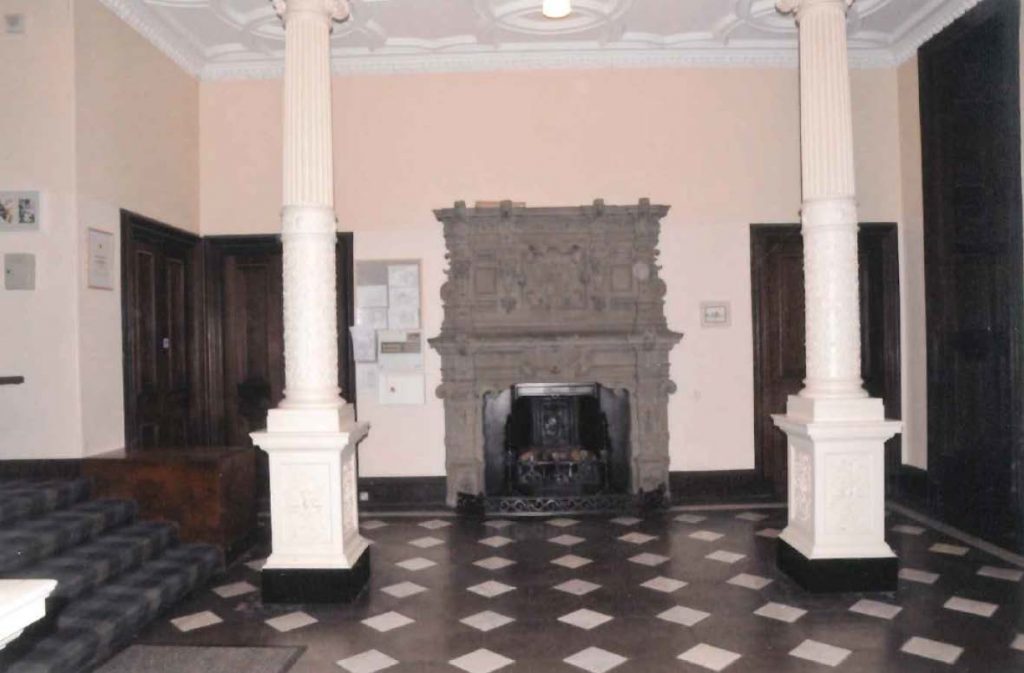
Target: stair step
[
  {"x": 92, "y": 628},
  {"x": 87, "y": 566},
  {"x": 36, "y": 539},
  {"x": 24, "y": 499}
]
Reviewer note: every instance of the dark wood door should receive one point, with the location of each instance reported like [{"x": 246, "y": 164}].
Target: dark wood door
[
  {"x": 970, "y": 123},
  {"x": 163, "y": 382},
  {"x": 779, "y": 354}
]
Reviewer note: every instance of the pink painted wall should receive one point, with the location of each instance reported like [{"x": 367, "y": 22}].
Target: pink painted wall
[{"x": 719, "y": 146}]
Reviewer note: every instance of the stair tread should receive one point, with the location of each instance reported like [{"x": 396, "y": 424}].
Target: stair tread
[
  {"x": 82, "y": 568},
  {"x": 34, "y": 540},
  {"x": 24, "y": 499},
  {"x": 91, "y": 628}
]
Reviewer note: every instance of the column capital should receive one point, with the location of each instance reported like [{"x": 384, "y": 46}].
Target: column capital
[
  {"x": 800, "y": 7},
  {"x": 336, "y": 10}
]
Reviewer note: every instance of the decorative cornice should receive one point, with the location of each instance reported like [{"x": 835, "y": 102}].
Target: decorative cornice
[
  {"x": 173, "y": 45},
  {"x": 564, "y": 55}
]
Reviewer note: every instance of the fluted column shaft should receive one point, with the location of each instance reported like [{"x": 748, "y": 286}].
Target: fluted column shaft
[
  {"x": 308, "y": 220},
  {"x": 829, "y": 212}
]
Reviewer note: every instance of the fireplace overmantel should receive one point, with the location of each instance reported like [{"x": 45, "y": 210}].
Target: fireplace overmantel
[{"x": 554, "y": 295}]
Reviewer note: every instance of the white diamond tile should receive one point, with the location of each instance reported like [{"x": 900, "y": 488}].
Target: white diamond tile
[
  {"x": 562, "y": 522},
  {"x": 822, "y": 653},
  {"x": 585, "y": 619},
  {"x": 481, "y": 661},
  {"x": 626, "y": 521},
  {"x": 496, "y": 541},
  {"x": 971, "y": 607},
  {"x": 706, "y": 535},
  {"x": 487, "y": 620},
  {"x": 690, "y": 518},
  {"x": 595, "y": 660},
  {"x": 754, "y": 517},
  {"x": 725, "y": 556},
  {"x": 372, "y": 524},
  {"x": 403, "y": 589},
  {"x": 494, "y": 563},
  {"x": 755, "y": 582},
  {"x": 388, "y": 621},
  {"x": 1018, "y": 642},
  {"x": 566, "y": 540},
  {"x": 234, "y": 589},
  {"x": 498, "y": 524},
  {"x": 256, "y": 564},
  {"x": 195, "y": 621},
  {"x": 768, "y": 532},
  {"x": 370, "y": 661},
  {"x": 490, "y": 589},
  {"x": 681, "y": 614},
  {"x": 906, "y": 529},
  {"x": 948, "y": 549},
  {"x": 919, "y": 576},
  {"x": 290, "y": 621},
  {"x": 780, "y": 612},
  {"x": 932, "y": 649},
  {"x": 649, "y": 559},
  {"x": 878, "y": 609},
  {"x": 709, "y": 657},
  {"x": 577, "y": 587},
  {"x": 417, "y": 563},
  {"x": 571, "y": 561},
  {"x": 665, "y": 585},
  {"x": 426, "y": 542},
  {"x": 1007, "y": 574},
  {"x": 435, "y": 524},
  {"x": 637, "y": 538}
]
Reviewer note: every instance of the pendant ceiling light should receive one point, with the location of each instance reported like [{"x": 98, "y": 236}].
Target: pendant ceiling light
[{"x": 556, "y": 9}]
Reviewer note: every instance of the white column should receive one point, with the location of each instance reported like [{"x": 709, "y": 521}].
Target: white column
[
  {"x": 311, "y": 437},
  {"x": 836, "y": 432}
]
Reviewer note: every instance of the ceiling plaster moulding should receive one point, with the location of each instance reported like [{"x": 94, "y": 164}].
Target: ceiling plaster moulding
[{"x": 748, "y": 33}]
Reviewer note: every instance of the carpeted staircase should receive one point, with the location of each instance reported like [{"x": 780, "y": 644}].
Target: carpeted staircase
[{"x": 114, "y": 574}]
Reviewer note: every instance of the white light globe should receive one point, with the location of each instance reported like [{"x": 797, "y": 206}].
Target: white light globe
[{"x": 556, "y": 9}]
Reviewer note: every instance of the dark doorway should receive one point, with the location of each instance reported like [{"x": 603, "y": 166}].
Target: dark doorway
[
  {"x": 777, "y": 279},
  {"x": 970, "y": 127},
  {"x": 162, "y": 334},
  {"x": 245, "y": 336}
]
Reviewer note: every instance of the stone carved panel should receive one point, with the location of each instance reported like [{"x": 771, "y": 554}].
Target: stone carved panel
[
  {"x": 554, "y": 295},
  {"x": 305, "y": 490}
]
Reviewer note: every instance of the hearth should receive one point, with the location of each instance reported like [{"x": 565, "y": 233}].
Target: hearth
[{"x": 554, "y": 358}]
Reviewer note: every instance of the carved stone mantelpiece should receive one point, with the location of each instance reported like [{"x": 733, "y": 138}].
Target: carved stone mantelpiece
[{"x": 554, "y": 295}]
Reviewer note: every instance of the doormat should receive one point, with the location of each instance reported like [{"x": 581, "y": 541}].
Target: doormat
[{"x": 176, "y": 659}]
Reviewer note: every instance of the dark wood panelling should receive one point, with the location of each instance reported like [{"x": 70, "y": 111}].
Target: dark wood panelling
[
  {"x": 719, "y": 486},
  {"x": 163, "y": 334},
  {"x": 777, "y": 285},
  {"x": 402, "y": 493},
  {"x": 59, "y": 468},
  {"x": 970, "y": 128}
]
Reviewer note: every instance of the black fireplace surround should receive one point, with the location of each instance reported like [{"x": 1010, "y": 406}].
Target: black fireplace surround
[{"x": 556, "y": 439}]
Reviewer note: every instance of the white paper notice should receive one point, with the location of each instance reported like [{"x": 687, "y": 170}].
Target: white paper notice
[
  {"x": 373, "y": 318},
  {"x": 366, "y": 379},
  {"x": 403, "y": 318},
  {"x": 404, "y": 275},
  {"x": 371, "y": 296},
  {"x": 364, "y": 344},
  {"x": 404, "y": 297}
]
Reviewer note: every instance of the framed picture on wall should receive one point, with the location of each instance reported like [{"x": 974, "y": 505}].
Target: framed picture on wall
[
  {"x": 19, "y": 211},
  {"x": 100, "y": 259}
]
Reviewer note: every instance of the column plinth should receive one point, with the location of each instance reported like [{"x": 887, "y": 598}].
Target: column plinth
[
  {"x": 835, "y": 537},
  {"x": 318, "y": 555}
]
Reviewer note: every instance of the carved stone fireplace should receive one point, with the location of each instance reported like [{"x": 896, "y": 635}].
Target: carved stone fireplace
[{"x": 563, "y": 297}]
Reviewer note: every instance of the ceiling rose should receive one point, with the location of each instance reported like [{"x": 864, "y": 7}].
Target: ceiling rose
[{"x": 525, "y": 16}]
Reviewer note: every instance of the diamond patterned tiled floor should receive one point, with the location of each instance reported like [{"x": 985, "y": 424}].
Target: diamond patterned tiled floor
[{"x": 679, "y": 592}]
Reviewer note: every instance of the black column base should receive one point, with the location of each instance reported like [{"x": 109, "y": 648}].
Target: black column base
[
  {"x": 316, "y": 585},
  {"x": 838, "y": 575}
]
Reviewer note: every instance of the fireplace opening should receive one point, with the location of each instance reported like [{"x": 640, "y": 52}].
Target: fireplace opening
[{"x": 556, "y": 439}]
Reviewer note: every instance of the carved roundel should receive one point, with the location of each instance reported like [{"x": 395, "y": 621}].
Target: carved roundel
[{"x": 524, "y": 16}]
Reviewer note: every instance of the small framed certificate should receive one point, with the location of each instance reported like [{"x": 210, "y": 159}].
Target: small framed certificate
[
  {"x": 714, "y": 314},
  {"x": 100, "y": 259}
]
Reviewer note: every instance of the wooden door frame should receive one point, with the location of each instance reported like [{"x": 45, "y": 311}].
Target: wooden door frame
[
  {"x": 214, "y": 250},
  {"x": 759, "y": 234},
  {"x": 135, "y": 229}
]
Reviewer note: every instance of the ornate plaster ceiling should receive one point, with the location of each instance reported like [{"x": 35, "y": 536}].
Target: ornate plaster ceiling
[{"x": 233, "y": 39}]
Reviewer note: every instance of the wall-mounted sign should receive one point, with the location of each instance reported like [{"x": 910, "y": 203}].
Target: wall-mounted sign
[
  {"x": 100, "y": 259},
  {"x": 19, "y": 211},
  {"x": 714, "y": 314}
]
